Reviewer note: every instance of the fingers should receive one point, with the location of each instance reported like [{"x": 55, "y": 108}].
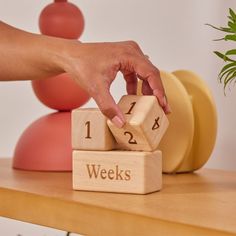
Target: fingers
[
  {"x": 108, "y": 107},
  {"x": 152, "y": 81},
  {"x": 146, "y": 89},
  {"x": 131, "y": 82},
  {"x": 134, "y": 63}
]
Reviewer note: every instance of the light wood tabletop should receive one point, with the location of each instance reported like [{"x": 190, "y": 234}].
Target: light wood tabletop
[{"x": 203, "y": 203}]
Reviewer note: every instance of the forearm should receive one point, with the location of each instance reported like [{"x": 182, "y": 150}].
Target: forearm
[{"x": 27, "y": 56}]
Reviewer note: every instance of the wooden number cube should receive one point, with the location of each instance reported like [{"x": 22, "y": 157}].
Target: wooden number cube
[
  {"x": 90, "y": 130},
  {"x": 145, "y": 125},
  {"x": 117, "y": 171}
]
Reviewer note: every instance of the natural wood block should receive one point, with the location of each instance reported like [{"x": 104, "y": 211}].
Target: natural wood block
[
  {"x": 90, "y": 130},
  {"x": 117, "y": 171},
  {"x": 145, "y": 125}
]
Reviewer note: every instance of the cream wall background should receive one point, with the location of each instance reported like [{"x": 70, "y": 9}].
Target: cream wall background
[{"x": 172, "y": 33}]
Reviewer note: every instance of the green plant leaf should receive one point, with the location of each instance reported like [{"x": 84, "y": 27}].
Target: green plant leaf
[
  {"x": 227, "y": 67},
  {"x": 229, "y": 78},
  {"x": 226, "y": 73},
  {"x": 219, "y": 39},
  {"x": 223, "y": 56},
  {"x": 231, "y": 52},
  {"x": 230, "y": 70},
  {"x": 231, "y": 18},
  {"x": 230, "y": 37},
  {"x": 224, "y": 29},
  {"x": 223, "y": 77},
  {"x": 232, "y": 26},
  {"x": 232, "y": 14}
]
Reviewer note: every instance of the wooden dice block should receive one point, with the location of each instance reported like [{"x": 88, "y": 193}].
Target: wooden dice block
[
  {"x": 117, "y": 171},
  {"x": 90, "y": 130},
  {"x": 145, "y": 125}
]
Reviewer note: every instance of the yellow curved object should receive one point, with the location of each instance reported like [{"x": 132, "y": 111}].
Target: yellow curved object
[
  {"x": 190, "y": 138},
  {"x": 205, "y": 120},
  {"x": 177, "y": 141}
]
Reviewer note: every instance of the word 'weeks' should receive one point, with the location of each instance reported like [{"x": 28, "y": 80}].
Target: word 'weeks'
[{"x": 96, "y": 171}]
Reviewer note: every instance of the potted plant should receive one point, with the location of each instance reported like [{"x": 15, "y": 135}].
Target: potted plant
[{"x": 228, "y": 72}]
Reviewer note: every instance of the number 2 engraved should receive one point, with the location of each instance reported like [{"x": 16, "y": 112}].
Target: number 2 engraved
[
  {"x": 88, "y": 130},
  {"x": 131, "y": 108},
  {"x": 131, "y": 138},
  {"x": 156, "y": 125}
]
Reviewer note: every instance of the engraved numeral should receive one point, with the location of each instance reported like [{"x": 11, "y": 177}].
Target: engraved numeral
[
  {"x": 88, "y": 130},
  {"x": 156, "y": 125},
  {"x": 131, "y": 139},
  {"x": 131, "y": 108}
]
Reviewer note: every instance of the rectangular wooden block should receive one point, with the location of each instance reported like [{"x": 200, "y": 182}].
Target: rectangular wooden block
[
  {"x": 90, "y": 130},
  {"x": 117, "y": 171}
]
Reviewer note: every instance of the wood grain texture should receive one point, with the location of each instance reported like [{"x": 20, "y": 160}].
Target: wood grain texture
[
  {"x": 145, "y": 125},
  {"x": 196, "y": 204},
  {"x": 117, "y": 171},
  {"x": 90, "y": 130}
]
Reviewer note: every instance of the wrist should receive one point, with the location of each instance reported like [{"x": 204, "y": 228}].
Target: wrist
[
  {"x": 60, "y": 54},
  {"x": 52, "y": 53}
]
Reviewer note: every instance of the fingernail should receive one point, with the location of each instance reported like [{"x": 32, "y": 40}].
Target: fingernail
[
  {"x": 168, "y": 109},
  {"x": 117, "y": 122},
  {"x": 166, "y": 105}
]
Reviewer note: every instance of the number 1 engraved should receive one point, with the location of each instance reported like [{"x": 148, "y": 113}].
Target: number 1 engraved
[
  {"x": 131, "y": 140},
  {"x": 156, "y": 125},
  {"x": 88, "y": 130},
  {"x": 131, "y": 108}
]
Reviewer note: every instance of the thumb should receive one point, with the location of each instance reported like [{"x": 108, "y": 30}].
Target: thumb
[{"x": 109, "y": 108}]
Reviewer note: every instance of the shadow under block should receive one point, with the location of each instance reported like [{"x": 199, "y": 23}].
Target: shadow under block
[
  {"x": 90, "y": 130},
  {"x": 117, "y": 171},
  {"x": 146, "y": 123}
]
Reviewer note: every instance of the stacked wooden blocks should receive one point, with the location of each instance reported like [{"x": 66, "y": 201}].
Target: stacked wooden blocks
[{"x": 111, "y": 159}]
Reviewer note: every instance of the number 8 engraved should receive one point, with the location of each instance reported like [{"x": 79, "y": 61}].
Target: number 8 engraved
[
  {"x": 131, "y": 138},
  {"x": 156, "y": 125}
]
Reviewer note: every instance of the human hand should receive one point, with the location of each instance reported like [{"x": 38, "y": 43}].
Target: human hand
[{"x": 95, "y": 65}]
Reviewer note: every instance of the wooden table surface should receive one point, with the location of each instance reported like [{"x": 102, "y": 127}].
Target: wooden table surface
[{"x": 203, "y": 203}]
